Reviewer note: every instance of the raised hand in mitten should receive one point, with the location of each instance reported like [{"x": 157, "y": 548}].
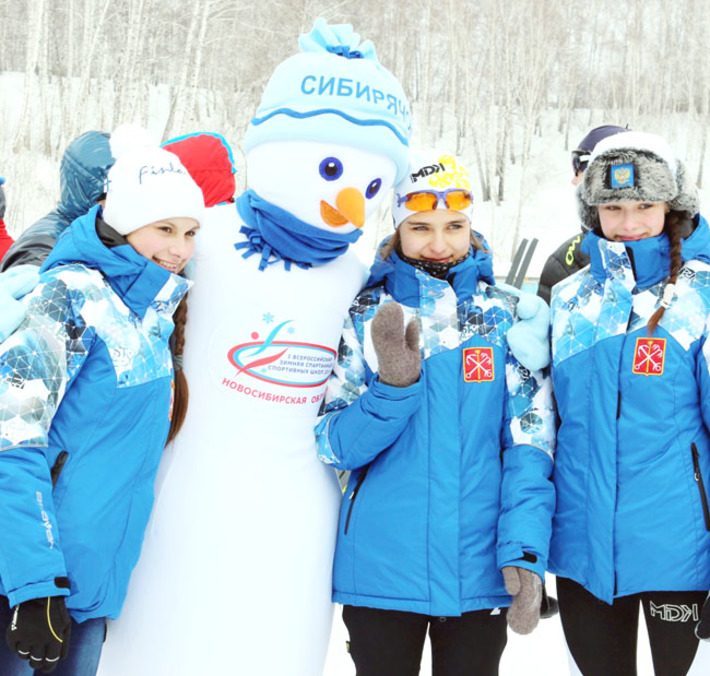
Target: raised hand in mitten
[
  {"x": 398, "y": 356},
  {"x": 529, "y": 338},
  {"x": 39, "y": 632},
  {"x": 526, "y": 589},
  {"x": 702, "y": 629}
]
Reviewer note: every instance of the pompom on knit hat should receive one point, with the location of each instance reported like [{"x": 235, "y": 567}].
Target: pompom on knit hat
[
  {"x": 334, "y": 91},
  {"x": 147, "y": 184},
  {"x": 634, "y": 166},
  {"x": 430, "y": 171},
  {"x": 209, "y": 160}
]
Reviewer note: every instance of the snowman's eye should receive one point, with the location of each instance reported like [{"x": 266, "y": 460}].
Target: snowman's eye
[
  {"x": 331, "y": 168},
  {"x": 373, "y": 188}
]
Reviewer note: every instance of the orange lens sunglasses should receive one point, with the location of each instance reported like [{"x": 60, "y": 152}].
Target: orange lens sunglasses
[{"x": 455, "y": 199}]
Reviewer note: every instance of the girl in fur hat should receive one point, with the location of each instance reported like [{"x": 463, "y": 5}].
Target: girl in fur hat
[{"x": 632, "y": 383}]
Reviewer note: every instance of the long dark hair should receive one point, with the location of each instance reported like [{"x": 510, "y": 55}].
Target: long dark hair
[{"x": 182, "y": 393}]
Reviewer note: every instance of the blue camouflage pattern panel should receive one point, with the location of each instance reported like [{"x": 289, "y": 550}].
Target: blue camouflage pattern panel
[
  {"x": 66, "y": 313},
  {"x": 586, "y": 311},
  {"x": 489, "y": 314}
]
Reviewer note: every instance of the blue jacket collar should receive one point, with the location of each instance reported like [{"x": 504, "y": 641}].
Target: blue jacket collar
[
  {"x": 138, "y": 281},
  {"x": 646, "y": 262},
  {"x": 405, "y": 283}
]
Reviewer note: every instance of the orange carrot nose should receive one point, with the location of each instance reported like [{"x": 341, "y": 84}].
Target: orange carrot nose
[{"x": 351, "y": 203}]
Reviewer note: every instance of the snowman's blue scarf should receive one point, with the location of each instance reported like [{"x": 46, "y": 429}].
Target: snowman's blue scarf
[{"x": 279, "y": 236}]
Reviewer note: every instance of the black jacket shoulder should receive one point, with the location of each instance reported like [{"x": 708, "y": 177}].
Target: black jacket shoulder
[{"x": 566, "y": 260}]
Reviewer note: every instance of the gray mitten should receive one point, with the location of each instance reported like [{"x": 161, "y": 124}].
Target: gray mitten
[
  {"x": 526, "y": 589},
  {"x": 398, "y": 355}
]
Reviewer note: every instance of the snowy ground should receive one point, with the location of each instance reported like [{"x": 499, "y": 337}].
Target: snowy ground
[{"x": 542, "y": 653}]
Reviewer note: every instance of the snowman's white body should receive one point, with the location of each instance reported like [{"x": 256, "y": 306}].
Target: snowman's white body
[{"x": 235, "y": 572}]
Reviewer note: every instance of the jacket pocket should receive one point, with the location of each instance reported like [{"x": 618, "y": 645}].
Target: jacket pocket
[
  {"x": 58, "y": 466},
  {"x": 353, "y": 497},
  {"x": 701, "y": 486}
]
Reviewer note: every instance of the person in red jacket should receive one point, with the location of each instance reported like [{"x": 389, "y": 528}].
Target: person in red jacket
[{"x": 5, "y": 240}]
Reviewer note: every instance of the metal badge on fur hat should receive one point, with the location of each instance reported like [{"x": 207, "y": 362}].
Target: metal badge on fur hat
[
  {"x": 147, "y": 184},
  {"x": 634, "y": 166},
  {"x": 440, "y": 175},
  {"x": 335, "y": 91}
]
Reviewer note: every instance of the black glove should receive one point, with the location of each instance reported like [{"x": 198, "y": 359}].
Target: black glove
[
  {"x": 2, "y": 200},
  {"x": 702, "y": 629},
  {"x": 39, "y": 632}
]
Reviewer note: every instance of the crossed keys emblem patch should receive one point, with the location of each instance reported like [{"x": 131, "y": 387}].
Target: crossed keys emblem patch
[
  {"x": 649, "y": 356},
  {"x": 478, "y": 364}
]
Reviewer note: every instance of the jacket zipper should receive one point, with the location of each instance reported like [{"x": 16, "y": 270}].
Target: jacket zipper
[
  {"x": 701, "y": 486},
  {"x": 57, "y": 468},
  {"x": 353, "y": 495}
]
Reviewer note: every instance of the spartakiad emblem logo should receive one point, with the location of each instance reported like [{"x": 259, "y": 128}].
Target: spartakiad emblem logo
[
  {"x": 478, "y": 364},
  {"x": 282, "y": 362},
  {"x": 649, "y": 356}
]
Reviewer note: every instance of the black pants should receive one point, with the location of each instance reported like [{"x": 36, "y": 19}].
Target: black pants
[
  {"x": 602, "y": 638},
  {"x": 390, "y": 642}
]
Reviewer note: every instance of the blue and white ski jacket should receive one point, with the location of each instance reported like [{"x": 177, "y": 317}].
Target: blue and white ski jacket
[
  {"x": 85, "y": 388},
  {"x": 451, "y": 475},
  {"x": 633, "y": 460}
]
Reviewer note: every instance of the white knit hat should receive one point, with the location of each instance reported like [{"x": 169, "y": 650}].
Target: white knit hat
[
  {"x": 147, "y": 184},
  {"x": 430, "y": 171}
]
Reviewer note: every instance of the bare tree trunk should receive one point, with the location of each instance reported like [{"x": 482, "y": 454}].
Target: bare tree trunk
[
  {"x": 93, "y": 29},
  {"x": 32, "y": 63}
]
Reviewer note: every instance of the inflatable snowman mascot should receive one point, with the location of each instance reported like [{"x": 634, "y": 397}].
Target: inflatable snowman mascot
[{"x": 235, "y": 573}]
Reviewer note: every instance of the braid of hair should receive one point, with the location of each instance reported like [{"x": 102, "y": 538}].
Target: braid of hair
[
  {"x": 672, "y": 227},
  {"x": 181, "y": 393}
]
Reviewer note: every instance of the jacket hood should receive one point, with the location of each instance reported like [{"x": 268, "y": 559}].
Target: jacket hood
[
  {"x": 82, "y": 173},
  {"x": 138, "y": 281}
]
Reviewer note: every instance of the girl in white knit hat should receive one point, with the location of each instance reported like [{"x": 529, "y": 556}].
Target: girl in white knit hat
[{"x": 86, "y": 398}]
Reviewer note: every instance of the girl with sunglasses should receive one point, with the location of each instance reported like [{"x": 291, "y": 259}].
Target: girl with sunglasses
[
  {"x": 632, "y": 384},
  {"x": 447, "y": 513}
]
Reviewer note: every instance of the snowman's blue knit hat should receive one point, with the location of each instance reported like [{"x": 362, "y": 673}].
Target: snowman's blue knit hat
[{"x": 334, "y": 91}]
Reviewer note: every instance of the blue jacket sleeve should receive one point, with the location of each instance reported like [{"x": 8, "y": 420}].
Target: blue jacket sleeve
[
  {"x": 527, "y": 491},
  {"x": 37, "y": 364},
  {"x": 362, "y": 416}
]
